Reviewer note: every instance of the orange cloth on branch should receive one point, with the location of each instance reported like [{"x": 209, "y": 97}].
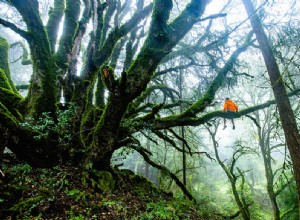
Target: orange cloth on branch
[{"x": 230, "y": 106}]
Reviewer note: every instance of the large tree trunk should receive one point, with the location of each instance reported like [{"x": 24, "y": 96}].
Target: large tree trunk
[
  {"x": 285, "y": 111},
  {"x": 154, "y": 50},
  {"x": 43, "y": 88}
]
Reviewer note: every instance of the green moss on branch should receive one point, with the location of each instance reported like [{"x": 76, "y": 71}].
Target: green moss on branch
[
  {"x": 72, "y": 13},
  {"x": 4, "y": 47},
  {"x": 55, "y": 17}
]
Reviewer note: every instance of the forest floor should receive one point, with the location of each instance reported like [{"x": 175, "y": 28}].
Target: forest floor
[{"x": 70, "y": 193}]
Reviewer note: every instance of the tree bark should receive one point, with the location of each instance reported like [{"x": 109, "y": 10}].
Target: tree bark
[{"x": 285, "y": 111}]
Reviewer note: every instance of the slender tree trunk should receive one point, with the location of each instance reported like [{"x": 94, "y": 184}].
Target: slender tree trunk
[
  {"x": 285, "y": 111},
  {"x": 182, "y": 132},
  {"x": 243, "y": 208},
  {"x": 269, "y": 175},
  {"x": 147, "y": 166}
]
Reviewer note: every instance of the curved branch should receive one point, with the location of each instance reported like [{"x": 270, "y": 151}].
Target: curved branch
[
  {"x": 182, "y": 140},
  {"x": 168, "y": 139},
  {"x": 25, "y": 60},
  {"x": 165, "y": 170}
]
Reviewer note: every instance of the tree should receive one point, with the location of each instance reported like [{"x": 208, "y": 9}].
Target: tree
[
  {"x": 235, "y": 175},
  {"x": 265, "y": 135},
  {"x": 285, "y": 111},
  {"x": 89, "y": 127}
]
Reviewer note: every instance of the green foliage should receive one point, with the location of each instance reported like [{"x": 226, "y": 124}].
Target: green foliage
[
  {"x": 61, "y": 193},
  {"x": 27, "y": 205},
  {"x": 160, "y": 211},
  {"x": 77, "y": 194},
  {"x": 173, "y": 209},
  {"x": 288, "y": 202},
  {"x": 46, "y": 125}
]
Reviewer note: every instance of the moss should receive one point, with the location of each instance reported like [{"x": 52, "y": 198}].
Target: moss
[
  {"x": 55, "y": 17},
  {"x": 11, "y": 100},
  {"x": 4, "y": 83},
  {"x": 42, "y": 92},
  {"x": 106, "y": 182},
  {"x": 27, "y": 204},
  {"x": 87, "y": 123},
  {"x": 4, "y": 47},
  {"x": 108, "y": 15},
  {"x": 129, "y": 55},
  {"x": 143, "y": 184},
  {"x": 72, "y": 13},
  {"x": 7, "y": 119}
]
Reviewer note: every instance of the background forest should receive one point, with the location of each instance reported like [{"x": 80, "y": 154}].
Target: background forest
[{"x": 105, "y": 86}]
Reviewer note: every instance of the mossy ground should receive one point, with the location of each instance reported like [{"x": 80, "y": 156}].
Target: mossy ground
[{"x": 69, "y": 193}]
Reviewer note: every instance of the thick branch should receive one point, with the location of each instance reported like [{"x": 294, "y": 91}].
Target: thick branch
[
  {"x": 55, "y": 17},
  {"x": 202, "y": 103},
  {"x": 25, "y": 59},
  {"x": 168, "y": 122},
  {"x": 72, "y": 12}
]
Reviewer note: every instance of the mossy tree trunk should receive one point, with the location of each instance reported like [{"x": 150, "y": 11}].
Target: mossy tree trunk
[
  {"x": 4, "y": 65},
  {"x": 161, "y": 39},
  {"x": 42, "y": 92}
]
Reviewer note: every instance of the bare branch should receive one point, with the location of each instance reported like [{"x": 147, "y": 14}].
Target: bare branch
[
  {"x": 14, "y": 28},
  {"x": 166, "y": 171}
]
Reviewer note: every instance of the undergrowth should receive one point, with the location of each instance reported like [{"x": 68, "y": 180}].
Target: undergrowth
[{"x": 70, "y": 193}]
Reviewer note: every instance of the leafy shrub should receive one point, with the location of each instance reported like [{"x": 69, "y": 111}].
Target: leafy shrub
[{"x": 46, "y": 124}]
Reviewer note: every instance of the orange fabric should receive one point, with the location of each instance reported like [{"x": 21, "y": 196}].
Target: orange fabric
[{"x": 230, "y": 106}]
